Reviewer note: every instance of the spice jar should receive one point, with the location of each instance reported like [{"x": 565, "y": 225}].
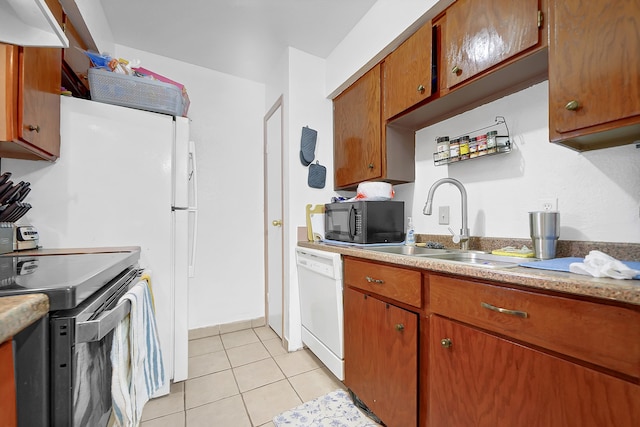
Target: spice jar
[
  {"x": 482, "y": 144},
  {"x": 454, "y": 150},
  {"x": 442, "y": 148},
  {"x": 464, "y": 148},
  {"x": 473, "y": 147},
  {"x": 491, "y": 141}
]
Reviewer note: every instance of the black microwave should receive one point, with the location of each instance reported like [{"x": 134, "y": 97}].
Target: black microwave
[{"x": 364, "y": 221}]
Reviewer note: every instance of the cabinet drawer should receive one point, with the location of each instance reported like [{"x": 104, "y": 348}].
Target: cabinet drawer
[
  {"x": 600, "y": 334},
  {"x": 396, "y": 283}
]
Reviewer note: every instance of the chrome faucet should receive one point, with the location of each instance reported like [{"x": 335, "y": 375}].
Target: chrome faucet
[{"x": 463, "y": 237}]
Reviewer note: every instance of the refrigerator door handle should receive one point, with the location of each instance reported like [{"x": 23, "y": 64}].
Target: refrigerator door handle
[
  {"x": 193, "y": 208},
  {"x": 193, "y": 238},
  {"x": 193, "y": 174}
]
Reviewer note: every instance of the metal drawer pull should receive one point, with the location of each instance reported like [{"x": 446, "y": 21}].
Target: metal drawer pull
[
  {"x": 446, "y": 342},
  {"x": 516, "y": 313},
  {"x": 400, "y": 327},
  {"x": 572, "y": 105},
  {"x": 372, "y": 280}
]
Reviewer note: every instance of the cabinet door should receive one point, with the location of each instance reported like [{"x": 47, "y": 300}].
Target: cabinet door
[
  {"x": 407, "y": 72},
  {"x": 381, "y": 357},
  {"x": 39, "y": 100},
  {"x": 477, "y": 379},
  {"x": 482, "y": 33},
  {"x": 594, "y": 64},
  {"x": 8, "y": 408},
  {"x": 357, "y": 132}
]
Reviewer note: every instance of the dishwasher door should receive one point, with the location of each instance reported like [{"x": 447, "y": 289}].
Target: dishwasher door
[{"x": 321, "y": 309}]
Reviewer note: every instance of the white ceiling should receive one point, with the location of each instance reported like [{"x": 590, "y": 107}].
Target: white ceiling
[{"x": 244, "y": 38}]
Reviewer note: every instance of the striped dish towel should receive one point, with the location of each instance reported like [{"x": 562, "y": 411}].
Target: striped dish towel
[{"x": 136, "y": 358}]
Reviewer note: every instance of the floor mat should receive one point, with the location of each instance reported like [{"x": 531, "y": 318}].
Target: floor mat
[{"x": 335, "y": 409}]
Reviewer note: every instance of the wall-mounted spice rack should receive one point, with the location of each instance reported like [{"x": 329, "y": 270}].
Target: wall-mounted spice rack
[{"x": 473, "y": 145}]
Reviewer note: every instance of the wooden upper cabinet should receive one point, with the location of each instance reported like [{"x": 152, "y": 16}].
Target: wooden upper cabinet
[
  {"x": 407, "y": 73},
  {"x": 39, "y": 100},
  {"x": 481, "y": 34},
  {"x": 357, "y": 132},
  {"x": 594, "y": 73},
  {"x": 30, "y": 126}
]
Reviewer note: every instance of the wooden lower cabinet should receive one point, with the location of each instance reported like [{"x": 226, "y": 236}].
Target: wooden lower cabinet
[
  {"x": 8, "y": 411},
  {"x": 381, "y": 357},
  {"x": 479, "y": 379}
]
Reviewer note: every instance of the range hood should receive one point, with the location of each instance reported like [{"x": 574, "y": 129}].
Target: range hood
[{"x": 30, "y": 23}]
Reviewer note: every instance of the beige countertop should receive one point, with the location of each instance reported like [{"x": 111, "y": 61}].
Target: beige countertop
[
  {"x": 623, "y": 291},
  {"x": 18, "y": 312}
]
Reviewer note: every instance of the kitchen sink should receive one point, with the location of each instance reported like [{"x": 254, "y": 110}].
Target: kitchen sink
[
  {"x": 480, "y": 259},
  {"x": 408, "y": 250},
  {"x": 474, "y": 258}
]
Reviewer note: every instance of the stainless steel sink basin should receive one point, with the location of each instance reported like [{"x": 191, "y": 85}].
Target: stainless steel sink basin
[
  {"x": 472, "y": 258},
  {"x": 480, "y": 259},
  {"x": 408, "y": 250}
]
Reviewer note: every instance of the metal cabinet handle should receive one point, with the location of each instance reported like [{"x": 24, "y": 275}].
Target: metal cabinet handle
[
  {"x": 36, "y": 128},
  {"x": 372, "y": 280},
  {"x": 400, "y": 327},
  {"x": 421, "y": 88},
  {"x": 456, "y": 70},
  {"x": 516, "y": 313},
  {"x": 370, "y": 165},
  {"x": 276, "y": 223},
  {"x": 446, "y": 342},
  {"x": 572, "y": 105}
]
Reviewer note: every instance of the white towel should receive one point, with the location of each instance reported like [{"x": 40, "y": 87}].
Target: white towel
[
  {"x": 599, "y": 264},
  {"x": 136, "y": 358}
]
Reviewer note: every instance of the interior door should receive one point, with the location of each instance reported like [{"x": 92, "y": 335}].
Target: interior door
[{"x": 274, "y": 257}]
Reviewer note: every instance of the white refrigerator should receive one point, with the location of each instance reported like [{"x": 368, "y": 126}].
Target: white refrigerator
[{"x": 125, "y": 177}]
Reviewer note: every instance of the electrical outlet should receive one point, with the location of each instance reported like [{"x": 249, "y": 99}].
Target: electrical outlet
[
  {"x": 548, "y": 204},
  {"x": 443, "y": 215}
]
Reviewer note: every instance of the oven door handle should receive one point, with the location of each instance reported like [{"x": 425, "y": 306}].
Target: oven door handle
[{"x": 95, "y": 330}]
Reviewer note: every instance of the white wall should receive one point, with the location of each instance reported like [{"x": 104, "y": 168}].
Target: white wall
[
  {"x": 226, "y": 115},
  {"x": 308, "y": 107},
  {"x": 305, "y": 105},
  {"x": 598, "y": 192}
]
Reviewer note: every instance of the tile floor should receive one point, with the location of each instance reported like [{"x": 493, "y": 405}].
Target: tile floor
[{"x": 240, "y": 379}]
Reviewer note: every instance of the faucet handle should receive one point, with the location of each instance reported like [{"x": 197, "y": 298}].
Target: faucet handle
[{"x": 456, "y": 237}]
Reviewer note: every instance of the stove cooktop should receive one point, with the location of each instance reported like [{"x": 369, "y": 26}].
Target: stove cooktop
[{"x": 66, "y": 279}]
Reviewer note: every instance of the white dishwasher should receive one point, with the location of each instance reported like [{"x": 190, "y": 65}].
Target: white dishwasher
[{"x": 320, "y": 290}]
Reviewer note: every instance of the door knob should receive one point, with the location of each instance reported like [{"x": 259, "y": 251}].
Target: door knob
[
  {"x": 456, "y": 70},
  {"x": 421, "y": 89},
  {"x": 276, "y": 223},
  {"x": 400, "y": 327},
  {"x": 446, "y": 342},
  {"x": 36, "y": 128}
]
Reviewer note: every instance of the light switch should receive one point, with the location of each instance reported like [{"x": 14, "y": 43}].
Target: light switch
[{"x": 443, "y": 215}]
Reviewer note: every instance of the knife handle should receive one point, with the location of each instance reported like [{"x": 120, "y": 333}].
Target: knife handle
[
  {"x": 6, "y": 198},
  {"x": 5, "y": 177}
]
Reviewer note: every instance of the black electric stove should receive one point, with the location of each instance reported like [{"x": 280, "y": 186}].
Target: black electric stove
[
  {"x": 67, "y": 280},
  {"x": 62, "y": 362}
]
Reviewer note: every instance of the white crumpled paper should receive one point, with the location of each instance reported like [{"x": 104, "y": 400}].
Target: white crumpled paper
[{"x": 599, "y": 264}]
